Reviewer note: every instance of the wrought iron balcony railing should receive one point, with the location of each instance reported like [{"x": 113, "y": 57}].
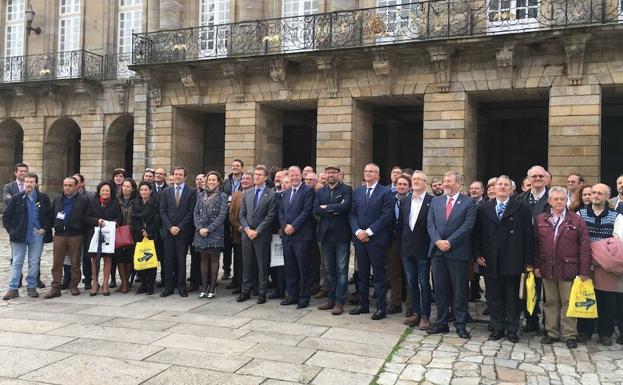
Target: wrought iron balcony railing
[
  {"x": 116, "y": 66},
  {"x": 61, "y": 65},
  {"x": 418, "y": 21}
]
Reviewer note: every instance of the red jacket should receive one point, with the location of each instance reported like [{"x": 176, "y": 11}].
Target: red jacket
[{"x": 569, "y": 255}]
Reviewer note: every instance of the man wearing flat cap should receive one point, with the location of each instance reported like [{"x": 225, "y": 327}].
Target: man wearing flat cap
[{"x": 332, "y": 205}]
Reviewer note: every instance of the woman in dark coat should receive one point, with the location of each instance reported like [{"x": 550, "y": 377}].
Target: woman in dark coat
[
  {"x": 124, "y": 256},
  {"x": 104, "y": 207},
  {"x": 209, "y": 216},
  {"x": 145, "y": 223}
]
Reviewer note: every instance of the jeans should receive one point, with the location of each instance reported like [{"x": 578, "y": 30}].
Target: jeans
[
  {"x": 418, "y": 279},
  {"x": 335, "y": 257},
  {"x": 18, "y": 251}
]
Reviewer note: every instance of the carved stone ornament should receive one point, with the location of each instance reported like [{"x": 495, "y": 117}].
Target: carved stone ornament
[
  {"x": 383, "y": 68},
  {"x": 91, "y": 91},
  {"x": 235, "y": 73},
  {"x": 154, "y": 88},
  {"x": 441, "y": 59},
  {"x": 31, "y": 97},
  {"x": 6, "y": 98},
  {"x": 122, "y": 92},
  {"x": 575, "y": 46},
  {"x": 329, "y": 66},
  {"x": 505, "y": 60}
]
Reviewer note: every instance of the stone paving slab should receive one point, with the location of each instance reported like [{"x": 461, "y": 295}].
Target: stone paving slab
[
  {"x": 55, "y": 317},
  {"x": 272, "y": 337},
  {"x": 349, "y": 362},
  {"x": 223, "y": 306},
  {"x": 286, "y": 327},
  {"x": 201, "y": 319},
  {"x": 206, "y": 344},
  {"x": 13, "y": 381},
  {"x": 281, "y": 353},
  {"x": 208, "y": 331},
  {"x": 200, "y": 360},
  {"x": 274, "y": 312},
  {"x": 119, "y": 311},
  {"x": 33, "y": 341},
  {"x": 29, "y": 326},
  {"x": 112, "y": 349},
  {"x": 145, "y": 324},
  {"x": 280, "y": 370},
  {"x": 330, "y": 376},
  {"x": 329, "y": 345},
  {"x": 19, "y": 361},
  {"x": 191, "y": 376},
  {"x": 93, "y": 370},
  {"x": 366, "y": 337},
  {"x": 391, "y": 325},
  {"x": 98, "y": 332}
]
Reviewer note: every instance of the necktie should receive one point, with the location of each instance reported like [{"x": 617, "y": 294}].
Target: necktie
[
  {"x": 500, "y": 209},
  {"x": 257, "y": 198},
  {"x": 449, "y": 207},
  {"x": 178, "y": 195},
  {"x": 20, "y": 187},
  {"x": 293, "y": 192},
  {"x": 397, "y": 208},
  {"x": 368, "y": 193}
]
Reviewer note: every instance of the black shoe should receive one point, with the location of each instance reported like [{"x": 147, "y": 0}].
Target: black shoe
[
  {"x": 438, "y": 329},
  {"x": 65, "y": 285},
  {"x": 571, "y": 343},
  {"x": 87, "y": 286},
  {"x": 451, "y": 317},
  {"x": 302, "y": 305},
  {"x": 496, "y": 336},
  {"x": 274, "y": 295},
  {"x": 40, "y": 284},
  {"x": 394, "y": 309},
  {"x": 166, "y": 293},
  {"x": 530, "y": 328},
  {"x": 490, "y": 327},
  {"x": 462, "y": 333},
  {"x": 243, "y": 297},
  {"x": 261, "y": 299},
  {"x": 141, "y": 290},
  {"x": 378, "y": 315},
  {"x": 353, "y": 279},
  {"x": 582, "y": 338},
  {"x": 193, "y": 288},
  {"x": 512, "y": 337},
  {"x": 183, "y": 293},
  {"x": 237, "y": 290},
  {"x": 359, "y": 310},
  {"x": 547, "y": 340},
  {"x": 231, "y": 285},
  {"x": 289, "y": 301},
  {"x": 620, "y": 340},
  {"x": 160, "y": 285},
  {"x": 113, "y": 283}
]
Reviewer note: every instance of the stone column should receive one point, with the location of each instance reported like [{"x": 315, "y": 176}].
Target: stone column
[
  {"x": 34, "y": 129},
  {"x": 160, "y": 136},
  {"x": 92, "y": 149},
  {"x": 449, "y": 134},
  {"x": 170, "y": 14},
  {"x": 153, "y": 15},
  {"x": 574, "y": 132},
  {"x": 140, "y": 130},
  {"x": 344, "y": 136}
]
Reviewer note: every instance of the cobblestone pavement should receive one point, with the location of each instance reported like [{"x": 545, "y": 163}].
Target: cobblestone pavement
[{"x": 135, "y": 339}]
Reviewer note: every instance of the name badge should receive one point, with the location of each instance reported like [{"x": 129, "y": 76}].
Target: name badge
[{"x": 61, "y": 216}]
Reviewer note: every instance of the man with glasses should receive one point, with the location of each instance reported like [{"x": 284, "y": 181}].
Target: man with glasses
[
  {"x": 536, "y": 198},
  {"x": 160, "y": 180}
]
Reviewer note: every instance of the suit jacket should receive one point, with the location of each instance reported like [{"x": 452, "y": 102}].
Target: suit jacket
[
  {"x": 539, "y": 207},
  {"x": 181, "y": 216},
  {"x": 615, "y": 205},
  {"x": 234, "y": 212},
  {"x": 15, "y": 217},
  {"x": 506, "y": 244},
  {"x": 298, "y": 213},
  {"x": 262, "y": 217},
  {"x": 334, "y": 218},
  {"x": 414, "y": 243},
  {"x": 10, "y": 189},
  {"x": 456, "y": 229},
  {"x": 376, "y": 214}
]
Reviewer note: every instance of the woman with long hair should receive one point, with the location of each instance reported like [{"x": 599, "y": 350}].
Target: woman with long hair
[
  {"x": 123, "y": 257},
  {"x": 146, "y": 223},
  {"x": 118, "y": 176},
  {"x": 582, "y": 199},
  {"x": 104, "y": 207},
  {"x": 209, "y": 216}
]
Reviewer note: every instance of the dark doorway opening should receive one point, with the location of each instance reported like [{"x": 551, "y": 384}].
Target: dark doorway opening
[
  {"x": 512, "y": 137},
  {"x": 299, "y": 138},
  {"x": 120, "y": 145},
  {"x": 611, "y": 140},
  {"x": 61, "y": 153}
]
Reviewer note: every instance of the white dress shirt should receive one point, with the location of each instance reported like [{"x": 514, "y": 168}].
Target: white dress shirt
[{"x": 416, "y": 206}]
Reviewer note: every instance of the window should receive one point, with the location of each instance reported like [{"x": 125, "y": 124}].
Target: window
[
  {"x": 397, "y": 20},
  {"x": 297, "y": 28},
  {"x": 68, "y": 38},
  {"x": 130, "y": 21},
  {"x": 512, "y": 15},
  {"x": 213, "y": 32},
  {"x": 14, "y": 40}
]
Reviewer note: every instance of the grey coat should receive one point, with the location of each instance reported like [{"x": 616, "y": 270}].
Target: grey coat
[{"x": 210, "y": 215}]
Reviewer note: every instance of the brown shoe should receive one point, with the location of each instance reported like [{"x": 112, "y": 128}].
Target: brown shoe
[
  {"x": 337, "y": 309},
  {"x": 74, "y": 290},
  {"x": 32, "y": 293},
  {"x": 424, "y": 324},
  {"x": 326, "y": 306},
  {"x": 320, "y": 294},
  {"x": 53, "y": 293},
  {"x": 412, "y": 321},
  {"x": 10, "y": 294}
]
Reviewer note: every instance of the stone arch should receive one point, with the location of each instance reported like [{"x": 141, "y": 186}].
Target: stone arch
[
  {"x": 11, "y": 148},
  {"x": 119, "y": 146},
  {"x": 61, "y": 153}
]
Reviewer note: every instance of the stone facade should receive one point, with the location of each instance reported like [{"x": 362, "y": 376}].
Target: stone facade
[{"x": 206, "y": 113}]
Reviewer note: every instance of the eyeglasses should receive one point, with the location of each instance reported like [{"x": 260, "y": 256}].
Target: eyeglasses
[
  {"x": 309, "y": 179},
  {"x": 537, "y": 176}
]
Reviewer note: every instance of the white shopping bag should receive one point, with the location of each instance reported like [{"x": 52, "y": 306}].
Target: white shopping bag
[
  {"x": 108, "y": 245},
  {"x": 276, "y": 251}
]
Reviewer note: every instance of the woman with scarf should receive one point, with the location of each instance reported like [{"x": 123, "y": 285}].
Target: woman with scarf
[
  {"x": 123, "y": 257},
  {"x": 146, "y": 223},
  {"x": 209, "y": 216},
  {"x": 104, "y": 207}
]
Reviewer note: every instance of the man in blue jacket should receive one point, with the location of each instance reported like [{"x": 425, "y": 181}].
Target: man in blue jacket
[
  {"x": 28, "y": 220},
  {"x": 370, "y": 222},
  {"x": 332, "y": 206}
]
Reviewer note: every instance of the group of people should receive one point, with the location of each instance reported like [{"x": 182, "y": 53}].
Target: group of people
[{"x": 441, "y": 241}]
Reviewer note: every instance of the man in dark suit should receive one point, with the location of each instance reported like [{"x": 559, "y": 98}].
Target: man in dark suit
[
  {"x": 297, "y": 224},
  {"x": 160, "y": 183},
  {"x": 257, "y": 214},
  {"x": 370, "y": 221},
  {"x": 332, "y": 206},
  {"x": 177, "y": 203},
  {"x": 17, "y": 186},
  {"x": 504, "y": 248},
  {"x": 414, "y": 247},
  {"x": 450, "y": 222},
  {"x": 536, "y": 199}
]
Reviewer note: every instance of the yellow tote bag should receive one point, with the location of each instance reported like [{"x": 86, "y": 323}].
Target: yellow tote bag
[
  {"x": 582, "y": 300},
  {"x": 530, "y": 292},
  {"x": 145, "y": 255}
]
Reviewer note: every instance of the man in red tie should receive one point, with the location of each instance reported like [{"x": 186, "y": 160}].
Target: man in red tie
[{"x": 451, "y": 218}]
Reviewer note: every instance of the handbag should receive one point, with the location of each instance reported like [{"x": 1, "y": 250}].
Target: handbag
[
  {"x": 145, "y": 255},
  {"x": 123, "y": 237}
]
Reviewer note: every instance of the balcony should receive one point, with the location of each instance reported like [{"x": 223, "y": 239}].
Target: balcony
[
  {"x": 116, "y": 66},
  {"x": 418, "y": 21},
  {"x": 82, "y": 65}
]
